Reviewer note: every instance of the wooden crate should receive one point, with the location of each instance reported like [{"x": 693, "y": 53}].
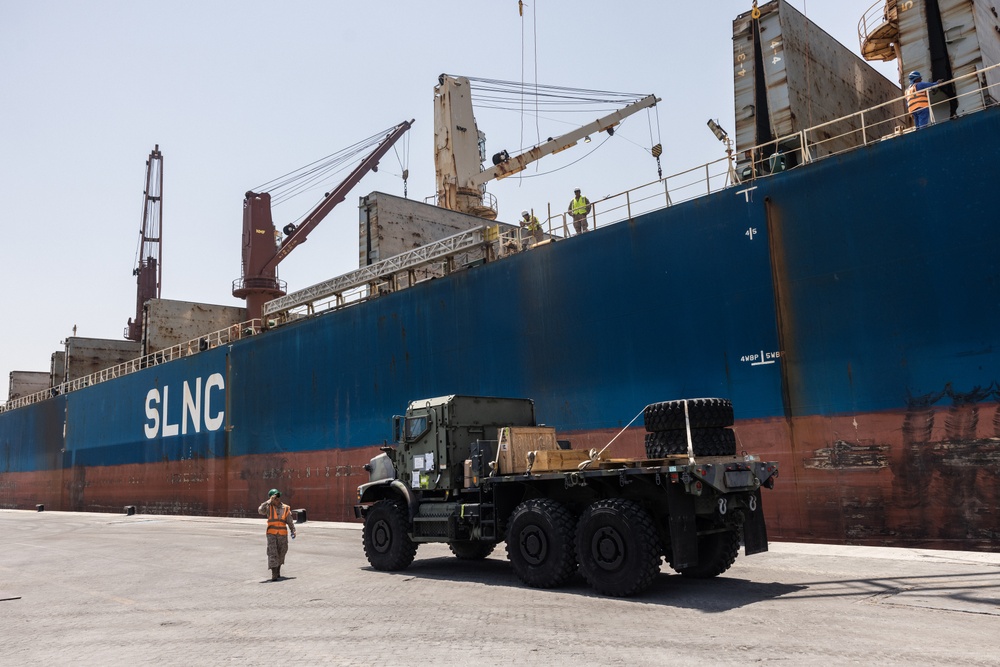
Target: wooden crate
[
  {"x": 517, "y": 441},
  {"x": 558, "y": 459}
]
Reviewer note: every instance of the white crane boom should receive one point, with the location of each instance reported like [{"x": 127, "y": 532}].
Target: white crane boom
[{"x": 561, "y": 143}]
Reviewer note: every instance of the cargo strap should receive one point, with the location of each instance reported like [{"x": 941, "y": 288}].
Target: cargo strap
[{"x": 594, "y": 456}]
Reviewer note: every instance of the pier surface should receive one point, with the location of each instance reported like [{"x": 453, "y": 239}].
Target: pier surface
[{"x": 110, "y": 589}]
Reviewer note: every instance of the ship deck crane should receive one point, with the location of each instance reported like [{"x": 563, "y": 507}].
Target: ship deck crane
[
  {"x": 149, "y": 256},
  {"x": 459, "y": 147},
  {"x": 261, "y": 250}
]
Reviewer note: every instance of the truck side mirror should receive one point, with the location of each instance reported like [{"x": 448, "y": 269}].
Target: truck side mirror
[{"x": 397, "y": 429}]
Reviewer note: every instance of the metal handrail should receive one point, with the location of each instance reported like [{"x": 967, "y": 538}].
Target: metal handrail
[
  {"x": 866, "y": 130},
  {"x": 886, "y": 12},
  {"x": 186, "y": 349}
]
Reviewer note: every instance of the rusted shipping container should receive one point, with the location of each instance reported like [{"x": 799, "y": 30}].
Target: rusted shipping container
[
  {"x": 390, "y": 226},
  {"x": 86, "y": 356},
  {"x": 167, "y": 323},
  {"x": 790, "y": 75},
  {"x": 24, "y": 383}
]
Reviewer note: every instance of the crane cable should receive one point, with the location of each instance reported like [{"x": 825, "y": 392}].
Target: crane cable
[
  {"x": 534, "y": 39},
  {"x": 404, "y": 162},
  {"x": 297, "y": 181}
]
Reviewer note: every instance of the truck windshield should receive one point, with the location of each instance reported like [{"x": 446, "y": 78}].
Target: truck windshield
[{"x": 415, "y": 427}]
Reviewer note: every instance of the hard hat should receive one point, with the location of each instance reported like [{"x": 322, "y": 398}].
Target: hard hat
[
  {"x": 576, "y": 189},
  {"x": 524, "y": 214},
  {"x": 273, "y": 492},
  {"x": 915, "y": 75}
]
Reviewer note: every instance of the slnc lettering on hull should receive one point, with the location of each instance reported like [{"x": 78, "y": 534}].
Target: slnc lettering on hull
[{"x": 192, "y": 409}]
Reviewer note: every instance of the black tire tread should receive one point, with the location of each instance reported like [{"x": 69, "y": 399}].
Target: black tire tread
[
  {"x": 703, "y": 412},
  {"x": 563, "y": 524},
  {"x": 645, "y": 567},
  {"x": 403, "y": 549},
  {"x": 716, "y": 553},
  {"x": 471, "y": 550},
  {"x": 706, "y": 442}
]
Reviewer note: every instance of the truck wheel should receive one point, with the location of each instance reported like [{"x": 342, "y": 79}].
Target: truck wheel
[
  {"x": 704, "y": 413},
  {"x": 618, "y": 548},
  {"x": 706, "y": 442},
  {"x": 387, "y": 545},
  {"x": 540, "y": 543},
  {"x": 716, "y": 553},
  {"x": 471, "y": 550}
]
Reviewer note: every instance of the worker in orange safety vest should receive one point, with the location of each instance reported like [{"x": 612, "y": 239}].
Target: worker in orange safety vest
[
  {"x": 917, "y": 100},
  {"x": 279, "y": 524}
]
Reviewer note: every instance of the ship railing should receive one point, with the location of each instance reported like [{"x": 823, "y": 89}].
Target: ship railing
[
  {"x": 209, "y": 341},
  {"x": 427, "y": 262},
  {"x": 654, "y": 195},
  {"x": 874, "y": 124},
  {"x": 511, "y": 240},
  {"x": 877, "y": 123}
]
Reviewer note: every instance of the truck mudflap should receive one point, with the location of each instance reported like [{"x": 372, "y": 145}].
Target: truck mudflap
[
  {"x": 683, "y": 526},
  {"x": 754, "y": 530}
]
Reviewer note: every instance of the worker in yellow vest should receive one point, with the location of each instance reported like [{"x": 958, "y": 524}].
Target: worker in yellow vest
[
  {"x": 279, "y": 524},
  {"x": 530, "y": 222},
  {"x": 917, "y": 100},
  {"x": 579, "y": 208}
]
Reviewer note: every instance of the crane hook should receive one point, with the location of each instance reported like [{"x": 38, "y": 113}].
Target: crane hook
[{"x": 755, "y": 13}]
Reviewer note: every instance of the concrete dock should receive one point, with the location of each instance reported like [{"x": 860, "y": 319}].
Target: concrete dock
[{"x": 108, "y": 589}]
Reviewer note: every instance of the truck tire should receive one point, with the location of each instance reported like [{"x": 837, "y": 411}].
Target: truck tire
[
  {"x": 540, "y": 543},
  {"x": 617, "y": 547},
  {"x": 471, "y": 550},
  {"x": 388, "y": 547},
  {"x": 716, "y": 553},
  {"x": 706, "y": 442},
  {"x": 704, "y": 413}
]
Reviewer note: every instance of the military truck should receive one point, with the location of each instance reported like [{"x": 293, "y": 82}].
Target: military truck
[{"x": 476, "y": 471}]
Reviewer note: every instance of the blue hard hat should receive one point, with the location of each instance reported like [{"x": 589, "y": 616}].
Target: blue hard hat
[{"x": 915, "y": 75}]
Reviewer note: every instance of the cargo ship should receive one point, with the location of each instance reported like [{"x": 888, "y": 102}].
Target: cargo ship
[{"x": 838, "y": 282}]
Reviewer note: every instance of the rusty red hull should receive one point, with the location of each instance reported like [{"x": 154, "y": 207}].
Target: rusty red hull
[{"x": 893, "y": 479}]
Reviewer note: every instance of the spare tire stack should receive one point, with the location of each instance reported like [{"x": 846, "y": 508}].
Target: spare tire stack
[{"x": 710, "y": 433}]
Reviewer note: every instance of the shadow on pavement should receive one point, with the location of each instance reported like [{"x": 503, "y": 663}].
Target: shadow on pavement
[{"x": 706, "y": 595}]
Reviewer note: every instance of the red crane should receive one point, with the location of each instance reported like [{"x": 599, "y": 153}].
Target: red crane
[
  {"x": 262, "y": 253},
  {"x": 150, "y": 252}
]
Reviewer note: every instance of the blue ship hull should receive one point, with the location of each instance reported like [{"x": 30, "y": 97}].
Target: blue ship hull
[{"x": 849, "y": 308}]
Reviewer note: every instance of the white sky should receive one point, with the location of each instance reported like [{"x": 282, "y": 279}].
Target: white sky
[{"x": 239, "y": 92}]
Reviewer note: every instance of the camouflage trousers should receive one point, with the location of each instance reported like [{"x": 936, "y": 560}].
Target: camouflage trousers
[{"x": 277, "y": 547}]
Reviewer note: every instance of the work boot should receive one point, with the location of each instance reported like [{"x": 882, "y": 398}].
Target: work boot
[
  {"x": 274, "y": 574},
  {"x": 278, "y": 570}
]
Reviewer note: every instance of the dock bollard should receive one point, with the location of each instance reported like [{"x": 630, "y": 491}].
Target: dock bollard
[
  {"x": 40, "y": 508},
  {"x": 129, "y": 510},
  {"x": 300, "y": 515}
]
